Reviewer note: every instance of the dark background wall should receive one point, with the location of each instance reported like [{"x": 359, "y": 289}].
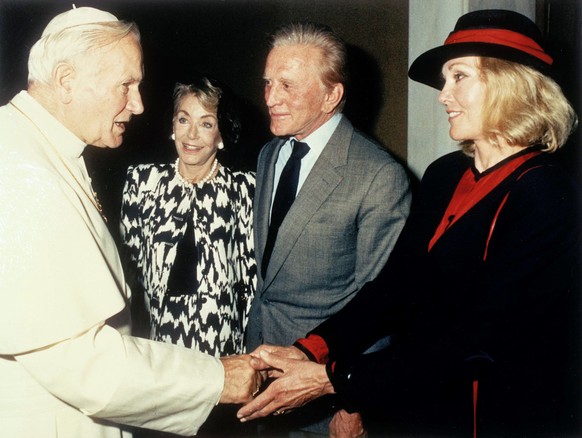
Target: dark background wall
[
  {"x": 227, "y": 39},
  {"x": 561, "y": 22}
]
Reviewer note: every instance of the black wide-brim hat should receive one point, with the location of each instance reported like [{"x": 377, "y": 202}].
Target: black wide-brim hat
[{"x": 495, "y": 33}]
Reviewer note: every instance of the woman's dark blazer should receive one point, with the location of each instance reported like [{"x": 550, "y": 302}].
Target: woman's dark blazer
[{"x": 507, "y": 319}]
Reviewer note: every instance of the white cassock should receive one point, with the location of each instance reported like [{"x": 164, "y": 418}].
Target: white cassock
[{"x": 64, "y": 370}]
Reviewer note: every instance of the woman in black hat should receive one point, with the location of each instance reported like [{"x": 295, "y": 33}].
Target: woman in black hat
[{"x": 480, "y": 295}]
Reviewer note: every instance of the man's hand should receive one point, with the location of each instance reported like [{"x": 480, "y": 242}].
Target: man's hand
[
  {"x": 287, "y": 352},
  {"x": 300, "y": 382},
  {"x": 241, "y": 380},
  {"x": 346, "y": 425}
]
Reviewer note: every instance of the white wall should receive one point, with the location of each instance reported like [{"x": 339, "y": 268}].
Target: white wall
[{"x": 430, "y": 22}]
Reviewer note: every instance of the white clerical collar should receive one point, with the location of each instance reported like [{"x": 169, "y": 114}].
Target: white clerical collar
[{"x": 64, "y": 140}]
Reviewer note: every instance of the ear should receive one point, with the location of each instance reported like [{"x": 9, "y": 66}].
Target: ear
[
  {"x": 63, "y": 77},
  {"x": 333, "y": 98}
]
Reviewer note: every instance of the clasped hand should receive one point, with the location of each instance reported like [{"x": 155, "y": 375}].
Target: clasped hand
[
  {"x": 295, "y": 381},
  {"x": 241, "y": 380}
]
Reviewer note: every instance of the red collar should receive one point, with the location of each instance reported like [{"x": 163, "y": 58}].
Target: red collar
[{"x": 471, "y": 190}]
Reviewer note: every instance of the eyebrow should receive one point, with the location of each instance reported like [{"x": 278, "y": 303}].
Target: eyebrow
[
  {"x": 133, "y": 80},
  {"x": 284, "y": 79},
  {"x": 205, "y": 116},
  {"x": 452, "y": 66}
]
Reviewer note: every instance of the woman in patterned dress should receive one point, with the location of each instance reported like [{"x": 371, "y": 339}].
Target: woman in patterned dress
[{"x": 187, "y": 229}]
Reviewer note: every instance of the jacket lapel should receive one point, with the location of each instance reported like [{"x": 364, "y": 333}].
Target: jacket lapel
[
  {"x": 168, "y": 224},
  {"x": 326, "y": 174},
  {"x": 263, "y": 195}
]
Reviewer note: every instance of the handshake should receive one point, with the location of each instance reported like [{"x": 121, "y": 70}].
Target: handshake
[{"x": 293, "y": 379}]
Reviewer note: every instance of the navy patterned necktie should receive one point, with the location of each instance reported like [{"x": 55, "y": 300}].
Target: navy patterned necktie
[{"x": 284, "y": 197}]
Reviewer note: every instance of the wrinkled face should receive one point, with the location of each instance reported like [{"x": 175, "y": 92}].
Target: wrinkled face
[
  {"x": 105, "y": 93},
  {"x": 463, "y": 96},
  {"x": 294, "y": 93},
  {"x": 196, "y": 133}
]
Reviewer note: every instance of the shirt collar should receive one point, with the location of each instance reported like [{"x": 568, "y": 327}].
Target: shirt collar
[{"x": 319, "y": 138}]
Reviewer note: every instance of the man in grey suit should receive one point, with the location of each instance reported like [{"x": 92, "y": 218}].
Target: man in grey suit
[{"x": 349, "y": 202}]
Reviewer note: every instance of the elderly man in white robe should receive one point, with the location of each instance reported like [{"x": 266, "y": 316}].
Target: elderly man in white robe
[{"x": 68, "y": 368}]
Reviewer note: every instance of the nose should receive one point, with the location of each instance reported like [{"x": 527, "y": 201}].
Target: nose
[
  {"x": 271, "y": 95},
  {"x": 134, "y": 103},
  {"x": 193, "y": 131},
  {"x": 445, "y": 95}
]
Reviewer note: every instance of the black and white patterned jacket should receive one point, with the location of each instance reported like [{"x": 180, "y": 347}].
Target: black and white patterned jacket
[{"x": 156, "y": 206}]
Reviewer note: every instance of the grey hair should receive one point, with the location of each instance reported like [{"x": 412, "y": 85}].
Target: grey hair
[
  {"x": 332, "y": 68},
  {"x": 71, "y": 43}
]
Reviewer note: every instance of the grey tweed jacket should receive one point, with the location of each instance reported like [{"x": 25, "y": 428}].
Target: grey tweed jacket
[{"x": 336, "y": 236}]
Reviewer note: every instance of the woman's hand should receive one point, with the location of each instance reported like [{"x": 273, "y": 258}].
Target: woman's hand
[{"x": 299, "y": 382}]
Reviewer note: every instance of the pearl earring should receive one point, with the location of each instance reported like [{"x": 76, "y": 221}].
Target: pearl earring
[
  {"x": 173, "y": 136},
  {"x": 221, "y": 145}
]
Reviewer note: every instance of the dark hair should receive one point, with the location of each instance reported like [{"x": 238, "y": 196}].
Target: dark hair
[{"x": 215, "y": 96}]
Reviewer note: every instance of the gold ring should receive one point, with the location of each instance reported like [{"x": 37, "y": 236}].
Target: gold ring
[{"x": 279, "y": 412}]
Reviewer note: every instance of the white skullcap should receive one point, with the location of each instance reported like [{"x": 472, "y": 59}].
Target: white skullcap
[{"x": 77, "y": 17}]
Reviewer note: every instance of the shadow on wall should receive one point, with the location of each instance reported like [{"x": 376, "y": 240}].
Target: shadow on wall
[
  {"x": 364, "y": 90},
  {"x": 563, "y": 26}
]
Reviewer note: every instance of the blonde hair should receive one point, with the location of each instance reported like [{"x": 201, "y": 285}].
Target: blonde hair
[
  {"x": 71, "y": 43},
  {"x": 207, "y": 94},
  {"x": 523, "y": 106},
  {"x": 332, "y": 67}
]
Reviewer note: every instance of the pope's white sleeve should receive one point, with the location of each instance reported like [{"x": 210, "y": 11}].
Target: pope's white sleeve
[{"x": 130, "y": 380}]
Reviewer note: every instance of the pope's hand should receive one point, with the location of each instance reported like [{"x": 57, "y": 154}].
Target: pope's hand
[{"x": 241, "y": 380}]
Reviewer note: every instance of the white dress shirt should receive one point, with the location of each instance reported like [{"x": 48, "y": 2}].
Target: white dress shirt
[{"x": 316, "y": 142}]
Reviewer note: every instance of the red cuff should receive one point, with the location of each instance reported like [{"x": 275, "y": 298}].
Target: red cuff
[{"x": 315, "y": 345}]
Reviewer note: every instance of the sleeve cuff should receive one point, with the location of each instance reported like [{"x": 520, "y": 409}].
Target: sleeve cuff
[
  {"x": 315, "y": 347},
  {"x": 340, "y": 377}
]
